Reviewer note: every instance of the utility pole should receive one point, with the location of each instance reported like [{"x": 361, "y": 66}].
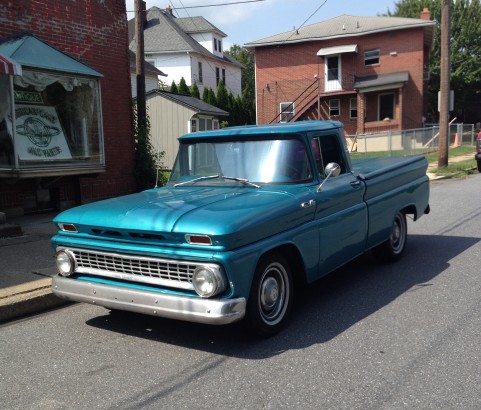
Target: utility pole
[
  {"x": 444, "y": 84},
  {"x": 139, "y": 62}
]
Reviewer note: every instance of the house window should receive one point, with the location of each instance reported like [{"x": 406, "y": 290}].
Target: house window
[
  {"x": 193, "y": 125},
  {"x": 201, "y": 78},
  {"x": 203, "y": 124},
  {"x": 334, "y": 108},
  {"x": 287, "y": 111},
  {"x": 353, "y": 108},
  {"x": 219, "y": 45},
  {"x": 223, "y": 76},
  {"x": 217, "y": 75},
  {"x": 371, "y": 57},
  {"x": 386, "y": 106},
  {"x": 215, "y": 44}
]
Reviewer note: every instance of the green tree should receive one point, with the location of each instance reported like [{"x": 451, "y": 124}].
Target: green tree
[
  {"x": 246, "y": 58},
  {"x": 465, "y": 53},
  {"x": 211, "y": 99},
  {"x": 183, "y": 89},
  {"x": 194, "y": 91},
  {"x": 173, "y": 88},
  {"x": 147, "y": 162},
  {"x": 205, "y": 94},
  {"x": 222, "y": 97}
]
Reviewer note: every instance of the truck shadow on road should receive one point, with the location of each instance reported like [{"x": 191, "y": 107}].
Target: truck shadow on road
[{"x": 322, "y": 310}]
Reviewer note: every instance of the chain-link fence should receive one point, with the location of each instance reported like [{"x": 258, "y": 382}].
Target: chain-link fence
[{"x": 410, "y": 142}]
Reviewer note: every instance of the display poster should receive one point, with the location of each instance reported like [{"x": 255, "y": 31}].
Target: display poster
[{"x": 39, "y": 134}]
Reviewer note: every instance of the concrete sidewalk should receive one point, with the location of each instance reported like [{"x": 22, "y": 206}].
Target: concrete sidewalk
[
  {"x": 26, "y": 266},
  {"x": 27, "y": 263}
]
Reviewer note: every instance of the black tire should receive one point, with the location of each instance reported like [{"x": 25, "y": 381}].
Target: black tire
[
  {"x": 270, "y": 298},
  {"x": 393, "y": 248},
  {"x": 479, "y": 165}
]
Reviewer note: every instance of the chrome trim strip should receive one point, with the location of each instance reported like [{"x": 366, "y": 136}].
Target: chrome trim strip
[{"x": 192, "y": 309}]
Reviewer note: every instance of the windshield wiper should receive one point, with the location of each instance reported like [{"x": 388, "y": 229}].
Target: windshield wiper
[
  {"x": 241, "y": 180},
  {"x": 192, "y": 181}
]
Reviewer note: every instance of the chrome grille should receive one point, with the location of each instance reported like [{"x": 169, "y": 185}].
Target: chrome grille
[{"x": 163, "y": 272}]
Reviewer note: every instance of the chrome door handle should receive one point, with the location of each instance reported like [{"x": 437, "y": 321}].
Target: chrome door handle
[{"x": 308, "y": 204}]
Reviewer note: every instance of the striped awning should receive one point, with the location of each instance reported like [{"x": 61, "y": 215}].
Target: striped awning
[{"x": 9, "y": 66}]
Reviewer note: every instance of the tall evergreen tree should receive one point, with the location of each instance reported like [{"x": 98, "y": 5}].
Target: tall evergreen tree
[
  {"x": 211, "y": 98},
  {"x": 183, "y": 88},
  {"x": 222, "y": 97},
  {"x": 205, "y": 94},
  {"x": 173, "y": 88},
  {"x": 194, "y": 91}
]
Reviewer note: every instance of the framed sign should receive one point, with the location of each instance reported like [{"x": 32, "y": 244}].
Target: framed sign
[{"x": 39, "y": 134}]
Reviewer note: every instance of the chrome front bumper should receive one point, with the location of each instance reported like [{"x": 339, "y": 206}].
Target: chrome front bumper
[{"x": 210, "y": 311}]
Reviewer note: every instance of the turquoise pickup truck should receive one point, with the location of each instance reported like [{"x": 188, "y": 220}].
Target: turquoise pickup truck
[{"x": 248, "y": 212}]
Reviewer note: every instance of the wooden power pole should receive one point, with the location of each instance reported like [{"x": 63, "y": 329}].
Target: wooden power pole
[
  {"x": 140, "y": 69},
  {"x": 444, "y": 84}
]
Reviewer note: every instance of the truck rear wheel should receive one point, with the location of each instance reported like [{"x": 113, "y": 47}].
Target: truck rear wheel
[
  {"x": 270, "y": 297},
  {"x": 393, "y": 249}
]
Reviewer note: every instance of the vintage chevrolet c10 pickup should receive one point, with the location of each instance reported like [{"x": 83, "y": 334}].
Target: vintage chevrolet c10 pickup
[{"x": 247, "y": 213}]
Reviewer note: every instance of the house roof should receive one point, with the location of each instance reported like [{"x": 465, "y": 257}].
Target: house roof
[
  {"x": 344, "y": 26},
  {"x": 188, "y": 101},
  {"x": 149, "y": 68},
  {"x": 193, "y": 25},
  {"x": 28, "y": 51},
  {"x": 164, "y": 33}
]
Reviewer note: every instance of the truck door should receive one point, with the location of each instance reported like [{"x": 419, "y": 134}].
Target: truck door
[{"x": 341, "y": 213}]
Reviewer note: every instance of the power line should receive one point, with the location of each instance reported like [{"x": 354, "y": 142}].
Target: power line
[{"x": 217, "y": 5}]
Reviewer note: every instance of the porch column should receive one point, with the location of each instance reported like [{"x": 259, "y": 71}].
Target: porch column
[
  {"x": 360, "y": 113},
  {"x": 399, "y": 108}
]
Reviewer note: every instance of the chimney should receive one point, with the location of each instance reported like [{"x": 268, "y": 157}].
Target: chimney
[{"x": 425, "y": 14}]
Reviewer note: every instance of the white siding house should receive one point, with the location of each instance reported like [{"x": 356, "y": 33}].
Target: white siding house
[{"x": 191, "y": 48}]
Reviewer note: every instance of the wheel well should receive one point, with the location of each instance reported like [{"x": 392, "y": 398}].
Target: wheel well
[
  {"x": 293, "y": 256},
  {"x": 411, "y": 210}
]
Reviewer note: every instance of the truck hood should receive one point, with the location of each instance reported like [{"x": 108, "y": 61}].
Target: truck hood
[{"x": 231, "y": 216}]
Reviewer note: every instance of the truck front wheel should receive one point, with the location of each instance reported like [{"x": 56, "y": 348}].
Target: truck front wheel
[
  {"x": 270, "y": 297},
  {"x": 392, "y": 249}
]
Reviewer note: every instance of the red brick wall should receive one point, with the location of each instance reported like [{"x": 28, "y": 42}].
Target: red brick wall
[
  {"x": 283, "y": 72},
  {"x": 94, "y": 32}
]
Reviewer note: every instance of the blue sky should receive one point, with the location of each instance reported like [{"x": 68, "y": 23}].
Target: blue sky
[{"x": 251, "y": 21}]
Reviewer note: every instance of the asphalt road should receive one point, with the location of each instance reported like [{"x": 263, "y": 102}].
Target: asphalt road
[{"x": 372, "y": 336}]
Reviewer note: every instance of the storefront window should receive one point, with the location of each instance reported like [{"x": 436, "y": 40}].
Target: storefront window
[
  {"x": 57, "y": 120},
  {"x": 6, "y": 143}
]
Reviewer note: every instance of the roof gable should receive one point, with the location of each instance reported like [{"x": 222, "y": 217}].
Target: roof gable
[
  {"x": 190, "y": 102},
  {"x": 163, "y": 34}
]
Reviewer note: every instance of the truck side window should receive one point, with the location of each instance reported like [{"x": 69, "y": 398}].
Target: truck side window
[{"x": 326, "y": 149}]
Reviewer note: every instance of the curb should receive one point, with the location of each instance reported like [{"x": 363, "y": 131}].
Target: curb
[{"x": 22, "y": 300}]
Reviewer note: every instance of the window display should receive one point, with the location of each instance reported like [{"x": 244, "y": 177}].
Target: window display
[{"x": 56, "y": 119}]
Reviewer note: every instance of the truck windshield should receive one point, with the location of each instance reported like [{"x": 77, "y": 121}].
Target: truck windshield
[{"x": 274, "y": 161}]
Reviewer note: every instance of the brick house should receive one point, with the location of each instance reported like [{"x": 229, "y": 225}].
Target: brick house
[
  {"x": 368, "y": 72},
  {"x": 65, "y": 116}
]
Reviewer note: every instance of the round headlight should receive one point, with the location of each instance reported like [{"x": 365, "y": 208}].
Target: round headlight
[
  {"x": 65, "y": 262},
  {"x": 208, "y": 281}
]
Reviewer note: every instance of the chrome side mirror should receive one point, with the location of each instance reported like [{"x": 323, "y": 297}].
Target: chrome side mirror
[{"x": 332, "y": 170}]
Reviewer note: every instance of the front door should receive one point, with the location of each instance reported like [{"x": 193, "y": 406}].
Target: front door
[{"x": 332, "y": 73}]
